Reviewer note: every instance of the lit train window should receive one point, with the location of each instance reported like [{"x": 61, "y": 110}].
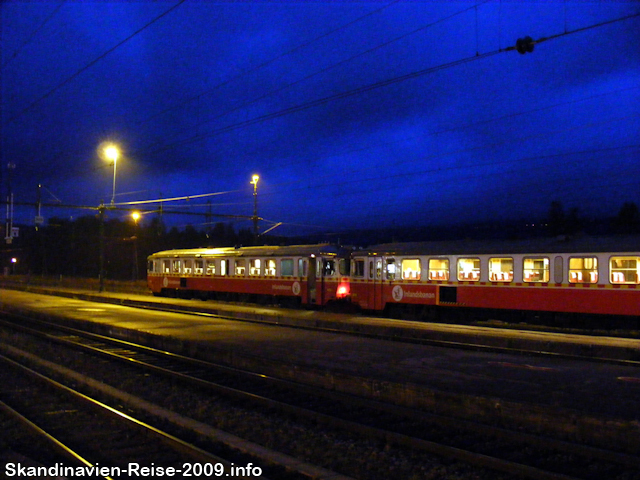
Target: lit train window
[
  {"x": 624, "y": 270},
  {"x": 358, "y": 268},
  {"x": 270, "y": 268},
  {"x": 439, "y": 269},
  {"x": 211, "y": 267},
  {"x": 302, "y": 267},
  {"x": 166, "y": 266},
  {"x": 536, "y": 270},
  {"x": 378, "y": 268},
  {"x": 391, "y": 269},
  {"x": 254, "y": 267},
  {"x": 198, "y": 267},
  {"x": 176, "y": 266},
  {"x": 583, "y": 270},
  {"x": 240, "y": 268},
  {"x": 329, "y": 268},
  {"x": 224, "y": 267},
  {"x": 501, "y": 269},
  {"x": 188, "y": 266},
  {"x": 469, "y": 269},
  {"x": 286, "y": 267},
  {"x": 411, "y": 269}
]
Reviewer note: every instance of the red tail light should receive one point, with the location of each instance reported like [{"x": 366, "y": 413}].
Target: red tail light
[{"x": 343, "y": 290}]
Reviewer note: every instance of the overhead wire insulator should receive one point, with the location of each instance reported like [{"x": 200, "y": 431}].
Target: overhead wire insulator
[{"x": 524, "y": 45}]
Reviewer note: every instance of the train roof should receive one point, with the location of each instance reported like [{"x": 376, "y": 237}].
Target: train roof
[
  {"x": 262, "y": 251},
  {"x": 581, "y": 244}
]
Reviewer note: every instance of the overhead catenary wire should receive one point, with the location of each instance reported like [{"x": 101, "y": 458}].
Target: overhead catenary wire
[
  {"x": 30, "y": 38},
  {"x": 269, "y": 62},
  {"x": 373, "y": 86},
  {"x": 341, "y": 62},
  {"x": 69, "y": 79}
]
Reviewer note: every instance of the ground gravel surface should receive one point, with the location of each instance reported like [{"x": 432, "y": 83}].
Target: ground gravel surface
[{"x": 335, "y": 450}]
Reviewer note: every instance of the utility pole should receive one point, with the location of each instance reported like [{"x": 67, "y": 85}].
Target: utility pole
[
  {"x": 101, "y": 213},
  {"x": 8, "y": 232}
]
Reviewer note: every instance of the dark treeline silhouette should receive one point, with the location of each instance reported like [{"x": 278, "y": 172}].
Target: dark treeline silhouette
[{"x": 71, "y": 247}]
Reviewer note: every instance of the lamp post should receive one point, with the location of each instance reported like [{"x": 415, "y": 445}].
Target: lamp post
[
  {"x": 254, "y": 182},
  {"x": 135, "y": 216},
  {"x": 112, "y": 153}
]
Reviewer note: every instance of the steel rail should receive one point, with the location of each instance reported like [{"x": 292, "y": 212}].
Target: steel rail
[
  {"x": 190, "y": 451},
  {"x": 401, "y": 412}
]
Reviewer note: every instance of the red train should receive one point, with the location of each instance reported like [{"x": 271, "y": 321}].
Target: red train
[
  {"x": 299, "y": 274},
  {"x": 586, "y": 276}
]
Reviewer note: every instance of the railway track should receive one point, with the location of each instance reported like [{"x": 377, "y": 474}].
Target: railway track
[
  {"x": 83, "y": 434},
  {"x": 512, "y": 452}
]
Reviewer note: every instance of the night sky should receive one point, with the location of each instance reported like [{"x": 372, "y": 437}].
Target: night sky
[{"x": 354, "y": 114}]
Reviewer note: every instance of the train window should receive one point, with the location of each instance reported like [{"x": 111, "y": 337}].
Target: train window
[
  {"x": 411, "y": 269},
  {"x": 439, "y": 269},
  {"x": 536, "y": 270},
  {"x": 583, "y": 270},
  {"x": 188, "y": 266},
  {"x": 624, "y": 270},
  {"x": 469, "y": 269},
  {"x": 358, "y": 268},
  {"x": 302, "y": 267},
  {"x": 270, "y": 268},
  {"x": 211, "y": 267},
  {"x": 166, "y": 266},
  {"x": 150, "y": 266},
  {"x": 391, "y": 268},
  {"x": 378, "y": 268},
  {"x": 240, "y": 267},
  {"x": 176, "y": 266},
  {"x": 329, "y": 268},
  {"x": 370, "y": 268},
  {"x": 501, "y": 269},
  {"x": 224, "y": 267},
  {"x": 344, "y": 267},
  {"x": 254, "y": 267},
  {"x": 286, "y": 267},
  {"x": 198, "y": 266}
]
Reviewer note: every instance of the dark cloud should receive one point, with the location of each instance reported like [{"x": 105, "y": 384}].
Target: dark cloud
[{"x": 212, "y": 92}]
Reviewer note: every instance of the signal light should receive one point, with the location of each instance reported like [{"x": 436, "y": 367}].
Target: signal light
[{"x": 524, "y": 45}]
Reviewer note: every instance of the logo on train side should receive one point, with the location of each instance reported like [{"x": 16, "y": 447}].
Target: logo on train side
[
  {"x": 295, "y": 288},
  {"x": 397, "y": 293},
  {"x": 165, "y": 282}
]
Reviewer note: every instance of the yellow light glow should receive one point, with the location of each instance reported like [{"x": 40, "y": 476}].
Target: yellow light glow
[
  {"x": 112, "y": 153},
  {"x": 135, "y": 216},
  {"x": 254, "y": 180}
]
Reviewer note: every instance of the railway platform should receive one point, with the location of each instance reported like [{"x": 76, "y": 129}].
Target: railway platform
[{"x": 573, "y": 398}]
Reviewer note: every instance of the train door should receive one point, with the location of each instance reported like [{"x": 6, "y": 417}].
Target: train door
[
  {"x": 311, "y": 281},
  {"x": 376, "y": 277},
  {"x": 378, "y": 284}
]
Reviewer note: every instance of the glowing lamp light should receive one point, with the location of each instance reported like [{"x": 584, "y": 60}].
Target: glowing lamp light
[
  {"x": 343, "y": 290},
  {"x": 14, "y": 260},
  {"x": 112, "y": 153}
]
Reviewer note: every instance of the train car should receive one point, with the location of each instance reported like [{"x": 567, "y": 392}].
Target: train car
[
  {"x": 301, "y": 274},
  {"x": 559, "y": 276}
]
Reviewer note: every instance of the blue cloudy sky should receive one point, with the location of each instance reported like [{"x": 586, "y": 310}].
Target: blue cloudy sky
[{"x": 354, "y": 114}]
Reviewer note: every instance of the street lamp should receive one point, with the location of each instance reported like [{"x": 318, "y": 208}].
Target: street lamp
[
  {"x": 254, "y": 182},
  {"x": 112, "y": 153}
]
